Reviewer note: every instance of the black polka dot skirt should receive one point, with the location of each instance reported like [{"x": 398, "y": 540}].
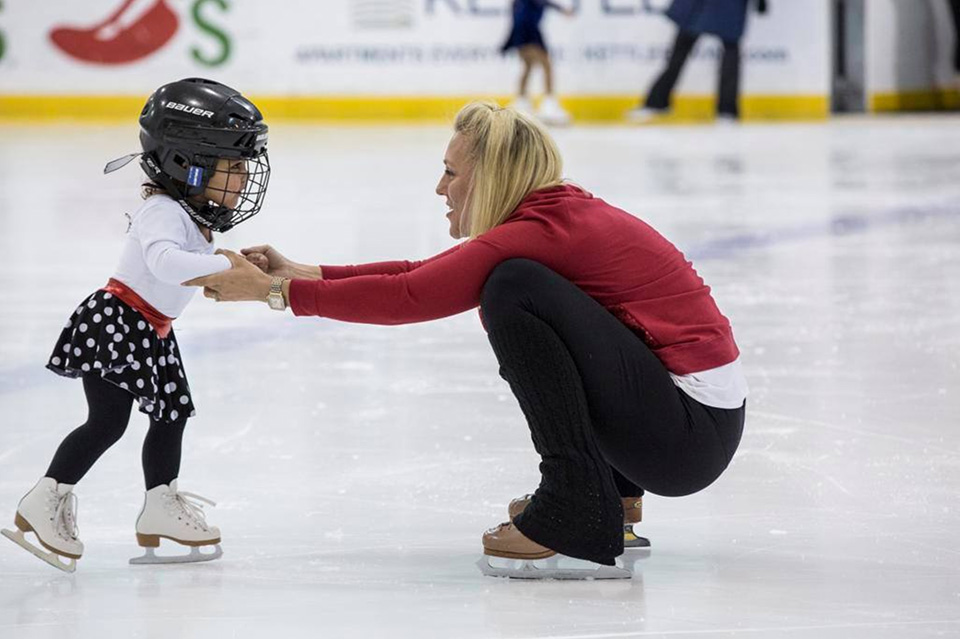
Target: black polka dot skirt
[{"x": 106, "y": 336}]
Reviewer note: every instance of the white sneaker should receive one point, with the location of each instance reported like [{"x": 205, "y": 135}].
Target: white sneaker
[
  {"x": 49, "y": 511},
  {"x": 551, "y": 113},
  {"x": 176, "y": 516},
  {"x": 522, "y": 104},
  {"x": 643, "y": 115}
]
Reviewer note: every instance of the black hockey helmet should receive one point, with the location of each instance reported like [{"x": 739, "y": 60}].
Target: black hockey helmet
[{"x": 185, "y": 128}]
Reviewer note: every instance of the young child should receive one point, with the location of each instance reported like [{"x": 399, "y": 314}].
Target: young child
[
  {"x": 205, "y": 157},
  {"x": 526, "y": 37}
]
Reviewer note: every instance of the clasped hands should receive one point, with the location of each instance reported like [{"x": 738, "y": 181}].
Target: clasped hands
[{"x": 248, "y": 278}]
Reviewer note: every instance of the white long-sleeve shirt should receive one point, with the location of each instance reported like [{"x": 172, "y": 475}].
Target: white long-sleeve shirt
[{"x": 164, "y": 247}]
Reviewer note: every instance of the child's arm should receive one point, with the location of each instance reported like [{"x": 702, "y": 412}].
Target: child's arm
[{"x": 161, "y": 237}]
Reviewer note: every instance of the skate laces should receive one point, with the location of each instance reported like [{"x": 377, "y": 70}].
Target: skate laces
[
  {"x": 65, "y": 516},
  {"x": 499, "y": 527},
  {"x": 190, "y": 504}
]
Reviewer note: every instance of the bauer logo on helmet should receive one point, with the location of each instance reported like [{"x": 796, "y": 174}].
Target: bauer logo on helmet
[{"x": 176, "y": 106}]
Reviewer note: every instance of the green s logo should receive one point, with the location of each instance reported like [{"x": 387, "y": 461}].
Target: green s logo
[
  {"x": 3, "y": 42},
  {"x": 210, "y": 29}
]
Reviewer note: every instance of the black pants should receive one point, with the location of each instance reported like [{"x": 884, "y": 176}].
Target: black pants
[
  {"x": 109, "y": 409},
  {"x": 955, "y": 11},
  {"x": 728, "y": 90},
  {"x": 604, "y": 414}
]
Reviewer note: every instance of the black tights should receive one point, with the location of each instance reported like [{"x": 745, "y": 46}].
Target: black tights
[
  {"x": 109, "y": 409},
  {"x": 604, "y": 414}
]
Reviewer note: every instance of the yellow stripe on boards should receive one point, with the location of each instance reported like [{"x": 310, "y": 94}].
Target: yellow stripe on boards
[
  {"x": 70, "y": 107},
  {"x": 366, "y": 109},
  {"x": 701, "y": 108},
  {"x": 928, "y": 100},
  {"x": 783, "y": 107},
  {"x": 362, "y": 108}
]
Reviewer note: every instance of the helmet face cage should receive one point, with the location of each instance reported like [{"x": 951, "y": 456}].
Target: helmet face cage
[
  {"x": 235, "y": 194},
  {"x": 216, "y": 195}
]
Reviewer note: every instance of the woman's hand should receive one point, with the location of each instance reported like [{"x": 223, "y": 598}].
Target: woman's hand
[
  {"x": 270, "y": 261},
  {"x": 243, "y": 282}
]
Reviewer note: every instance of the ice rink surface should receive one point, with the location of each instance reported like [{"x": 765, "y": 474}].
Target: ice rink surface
[{"x": 356, "y": 467}]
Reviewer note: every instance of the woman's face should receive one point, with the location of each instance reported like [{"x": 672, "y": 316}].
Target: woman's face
[
  {"x": 227, "y": 182},
  {"x": 455, "y": 185}
]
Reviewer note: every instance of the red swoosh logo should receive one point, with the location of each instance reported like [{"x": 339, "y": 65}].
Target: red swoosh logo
[{"x": 112, "y": 42}]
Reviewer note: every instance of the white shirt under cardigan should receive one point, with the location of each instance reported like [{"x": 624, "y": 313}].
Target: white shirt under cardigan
[
  {"x": 164, "y": 248},
  {"x": 721, "y": 387}
]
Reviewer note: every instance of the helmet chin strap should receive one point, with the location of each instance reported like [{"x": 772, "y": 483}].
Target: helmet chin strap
[
  {"x": 212, "y": 215},
  {"x": 207, "y": 215}
]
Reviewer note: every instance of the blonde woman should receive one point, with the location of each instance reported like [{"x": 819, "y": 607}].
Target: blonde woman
[{"x": 626, "y": 371}]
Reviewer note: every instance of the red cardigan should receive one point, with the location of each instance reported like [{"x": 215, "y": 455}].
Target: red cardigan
[{"x": 617, "y": 259}]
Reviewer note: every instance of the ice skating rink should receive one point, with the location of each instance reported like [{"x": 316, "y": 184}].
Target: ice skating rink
[{"x": 355, "y": 467}]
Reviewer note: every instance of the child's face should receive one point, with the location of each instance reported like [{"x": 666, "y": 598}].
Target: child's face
[{"x": 227, "y": 182}]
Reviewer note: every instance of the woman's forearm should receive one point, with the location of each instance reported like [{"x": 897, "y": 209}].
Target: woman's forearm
[{"x": 305, "y": 272}]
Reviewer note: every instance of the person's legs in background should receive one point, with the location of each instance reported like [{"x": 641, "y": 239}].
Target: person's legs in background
[
  {"x": 529, "y": 58},
  {"x": 549, "y": 111},
  {"x": 955, "y": 12},
  {"x": 728, "y": 92},
  {"x": 659, "y": 96}
]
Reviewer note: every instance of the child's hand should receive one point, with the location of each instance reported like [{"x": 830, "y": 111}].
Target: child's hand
[
  {"x": 268, "y": 259},
  {"x": 259, "y": 260}
]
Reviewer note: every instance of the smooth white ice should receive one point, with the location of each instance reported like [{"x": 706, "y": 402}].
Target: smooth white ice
[{"x": 357, "y": 466}]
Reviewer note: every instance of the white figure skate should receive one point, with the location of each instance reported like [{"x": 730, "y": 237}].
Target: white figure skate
[
  {"x": 179, "y": 517},
  {"x": 644, "y": 115},
  {"x": 726, "y": 120},
  {"x": 508, "y": 553},
  {"x": 551, "y": 113},
  {"x": 49, "y": 511},
  {"x": 522, "y": 104}
]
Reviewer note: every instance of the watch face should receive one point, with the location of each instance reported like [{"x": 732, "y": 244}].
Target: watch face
[{"x": 276, "y": 302}]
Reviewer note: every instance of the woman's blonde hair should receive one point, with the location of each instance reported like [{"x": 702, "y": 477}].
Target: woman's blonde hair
[{"x": 513, "y": 155}]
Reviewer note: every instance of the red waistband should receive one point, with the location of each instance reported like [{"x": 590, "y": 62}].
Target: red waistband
[{"x": 160, "y": 322}]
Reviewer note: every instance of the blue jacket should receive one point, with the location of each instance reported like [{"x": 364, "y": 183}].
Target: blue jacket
[
  {"x": 725, "y": 19},
  {"x": 531, "y": 11}
]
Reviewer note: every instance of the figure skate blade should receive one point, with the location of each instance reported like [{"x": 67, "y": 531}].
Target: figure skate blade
[
  {"x": 556, "y": 567},
  {"x": 195, "y": 556},
  {"x": 52, "y": 558}
]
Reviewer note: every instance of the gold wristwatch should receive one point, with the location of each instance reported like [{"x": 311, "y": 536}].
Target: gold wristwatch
[{"x": 275, "y": 297}]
